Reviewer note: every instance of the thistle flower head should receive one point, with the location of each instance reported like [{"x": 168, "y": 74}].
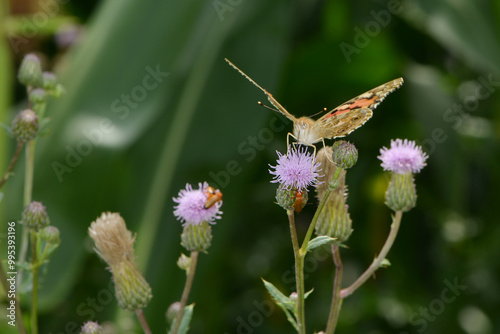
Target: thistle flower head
[
  {"x": 190, "y": 208},
  {"x": 403, "y": 157},
  {"x": 295, "y": 170},
  {"x": 113, "y": 241},
  {"x": 114, "y": 244}
]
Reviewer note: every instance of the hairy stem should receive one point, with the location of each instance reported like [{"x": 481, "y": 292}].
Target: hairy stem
[
  {"x": 299, "y": 274},
  {"x": 187, "y": 290},
  {"x": 337, "y": 286},
  {"x": 13, "y": 162},
  {"x": 142, "y": 321},
  {"x": 396, "y": 221}
]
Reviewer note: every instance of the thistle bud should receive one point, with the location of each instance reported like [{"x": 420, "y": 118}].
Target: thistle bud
[
  {"x": 334, "y": 219},
  {"x": 49, "y": 81},
  {"x": 35, "y": 216},
  {"x": 50, "y": 234},
  {"x": 114, "y": 244},
  {"x": 184, "y": 262},
  {"x": 284, "y": 197},
  {"x": 401, "y": 195},
  {"x": 172, "y": 311},
  {"x": 25, "y": 125},
  {"x": 91, "y": 327},
  {"x": 345, "y": 154},
  {"x": 196, "y": 238},
  {"x": 30, "y": 71},
  {"x": 37, "y": 96}
]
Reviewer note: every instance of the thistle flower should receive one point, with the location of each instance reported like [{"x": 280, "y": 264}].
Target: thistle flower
[
  {"x": 197, "y": 209},
  {"x": 403, "y": 159},
  {"x": 190, "y": 208},
  {"x": 115, "y": 245},
  {"x": 296, "y": 170}
]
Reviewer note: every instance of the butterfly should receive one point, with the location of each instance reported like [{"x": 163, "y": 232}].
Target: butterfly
[
  {"x": 213, "y": 196},
  {"x": 336, "y": 123}
]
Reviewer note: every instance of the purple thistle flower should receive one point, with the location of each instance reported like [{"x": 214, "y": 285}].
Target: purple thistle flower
[
  {"x": 403, "y": 157},
  {"x": 295, "y": 170},
  {"x": 190, "y": 208}
]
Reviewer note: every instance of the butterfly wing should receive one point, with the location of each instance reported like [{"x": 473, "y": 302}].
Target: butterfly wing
[
  {"x": 270, "y": 97},
  {"x": 350, "y": 115}
]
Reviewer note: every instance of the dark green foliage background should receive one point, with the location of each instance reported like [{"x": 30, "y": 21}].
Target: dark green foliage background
[{"x": 204, "y": 116}]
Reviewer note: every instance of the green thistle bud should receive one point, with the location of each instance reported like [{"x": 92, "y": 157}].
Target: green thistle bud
[
  {"x": 115, "y": 245},
  {"x": 132, "y": 290},
  {"x": 91, "y": 327},
  {"x": 345, "y": 154},
  {"x": 25, "y": 125},
  {"x": 49, "y": 81},
  {"x": 401, "y": 195},
  {"x": 172, "y": 311},
  {"x": 37, "y": 96},
  {"x": 184, "y": 262},
  {"x": 284, "y": 197},
  {"x": 334, "y": 220},
  {"x": 30, "y": 71},
  {"x": 50, "y": 234},
  {"x": 35, "y": 216},
  {"x": 196, "y": 238}
]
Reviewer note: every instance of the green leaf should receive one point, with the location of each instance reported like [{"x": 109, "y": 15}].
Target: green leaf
[
  {"x": 279, "y": 297},
  {"x": 319, "y": 241},
  {"x": 283, "y": 302},
  {"x": 308, "y": 293},
  {"x": 185, "y": 321}
]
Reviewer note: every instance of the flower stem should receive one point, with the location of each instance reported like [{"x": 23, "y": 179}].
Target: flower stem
[
  {"x": 28, "y": 188},
  {"x": 143, "y": 322},
  {"x": 333, "y": 185},
  {"x": 34, "y": 300},
  {"x": 299, "y": 274},
  {"x": 337, "y": 286},
  {"x": 187, "y": 289},
  {"x": 19, "y": 313},
  {"x": 396, "y": 221},
  {"x": 13, "y": 162}
]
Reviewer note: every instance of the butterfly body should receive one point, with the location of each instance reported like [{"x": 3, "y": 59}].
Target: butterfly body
[{"x": 338, "y": 122}]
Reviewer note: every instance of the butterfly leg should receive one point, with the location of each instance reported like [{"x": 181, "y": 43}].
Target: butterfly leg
[
  {"x": 288, "y": 141},
  {"x": 327, "y": 155}
]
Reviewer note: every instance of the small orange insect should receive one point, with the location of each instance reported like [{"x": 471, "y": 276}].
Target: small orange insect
[
  {"x": 300, "y": 201},
  {"x": 213, "y": 196}
]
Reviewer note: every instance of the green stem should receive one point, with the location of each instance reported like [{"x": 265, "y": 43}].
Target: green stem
[
  {"x": 13, "y": 162},
  {"x": 337, "y": 286},
  {"x": 28, "y": 189},
  {"x": 187, "y": 290},
  {"x": 142, "y": 321},
  {"x": 299, "y": 274},
  {"x": 333, "y": 185},
  {"x": 34, "y": 300},
  {"x": 19, "y": 312},
  {"x": 396, "y": 222}
]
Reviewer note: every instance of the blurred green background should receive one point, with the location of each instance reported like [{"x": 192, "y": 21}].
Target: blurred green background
[{"x": 200, "y": 122}]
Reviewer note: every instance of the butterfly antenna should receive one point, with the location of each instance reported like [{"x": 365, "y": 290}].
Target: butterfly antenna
[
  {"x": 319, "y": 112},
  {"x": 268, "y": 107},
  {"x": 246, "y": 76}
]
